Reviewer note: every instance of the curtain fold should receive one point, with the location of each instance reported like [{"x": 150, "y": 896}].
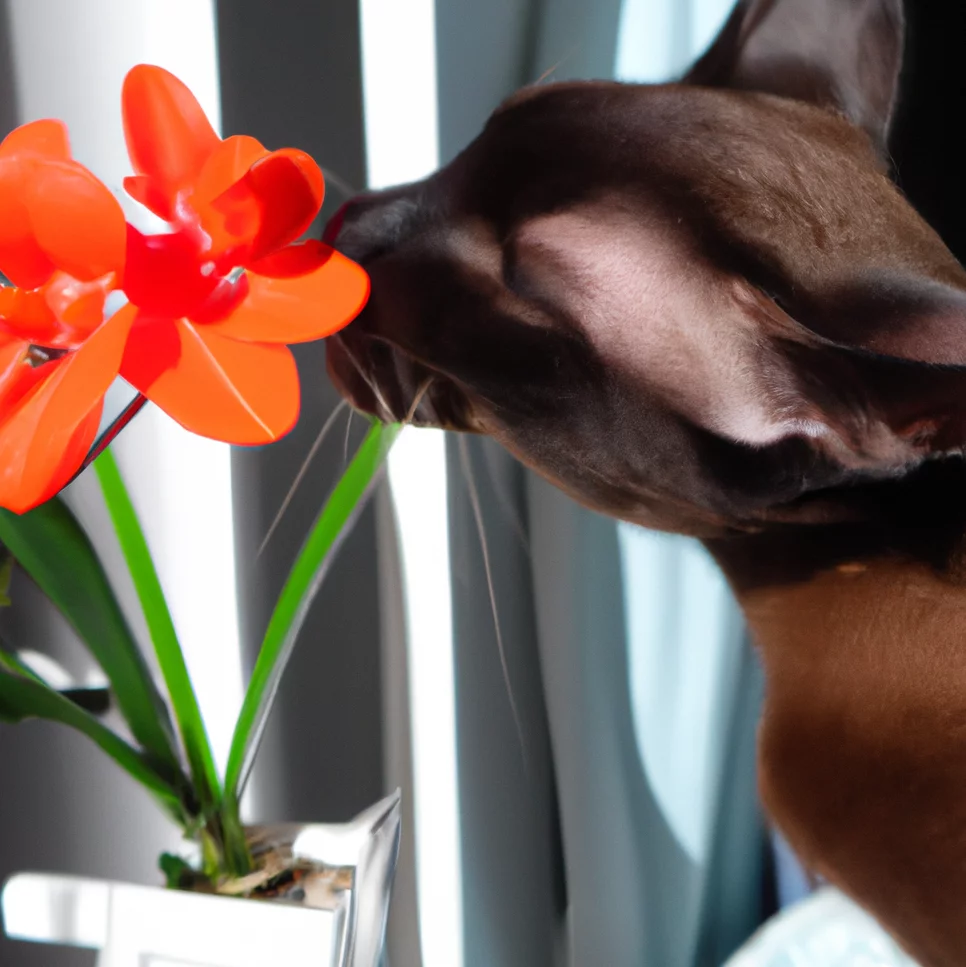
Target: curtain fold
[{"x": 625, "y": 654}]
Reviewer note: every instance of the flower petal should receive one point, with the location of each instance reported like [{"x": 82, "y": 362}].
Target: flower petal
[
  {"x": 243, "y": 393},
  {"x": 78, "y": 305},
  {"x": 168, "y": 136},
  {"x": 21, "y": 494},
  {"x": 299, "y": 309},
  {"x": 21, "y": 258},
  {"x": 153, "y": 347},
  {"x": 44, "y": 439},
  {"x": 281, "y": 194},
  {"x": 12, "y": 353},
  {"x": 292, "y": 260},
  {"x": 47, "y": 138},
  {"x": 76, "y": 451},
  {"x": 164, "y": 273},
  {"x": 223, "y": 301},
  {"x": 228, "y": 161},
  {"x": 17, "y": 376},
  {"x": 235, "y": 224},
  {"x": 77, "y": 222},
  {"x": 146, "y": 191},
  {"x": 26, "y": 314},
  {"x": 61, "y": 314}
]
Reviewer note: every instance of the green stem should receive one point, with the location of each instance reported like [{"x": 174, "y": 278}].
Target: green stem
[
  {"x": 184, "y": 701},
  {"x": 331, "y": 526},
  {"x": 237, "y": 857}
]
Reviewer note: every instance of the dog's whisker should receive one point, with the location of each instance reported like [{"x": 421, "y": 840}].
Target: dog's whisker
[
  {"x": 323, "y": 433},
  {"x": 484, "y": 547},
  {"x": 338, "y": 182},
  {"x": 387, "y": 410},
  {"x": 345, "y": 443},
  {"x": 552, "y": 70},
  {"x": 418, "y": 398},
  {"x": 547, "y": 74}
]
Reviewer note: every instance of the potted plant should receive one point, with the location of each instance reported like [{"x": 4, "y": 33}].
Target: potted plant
[{"x": 197, "y": 320}]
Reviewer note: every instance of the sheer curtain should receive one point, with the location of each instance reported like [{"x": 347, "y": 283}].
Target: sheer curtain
[{"x": 607, "y": 776}]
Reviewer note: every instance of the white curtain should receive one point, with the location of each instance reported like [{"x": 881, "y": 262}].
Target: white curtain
[{"x": 623, "y": 827}]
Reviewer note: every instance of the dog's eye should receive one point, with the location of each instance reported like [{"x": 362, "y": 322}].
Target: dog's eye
[
  {"x": 512, "y": 276},
  {"x": 509, "y": 261}
]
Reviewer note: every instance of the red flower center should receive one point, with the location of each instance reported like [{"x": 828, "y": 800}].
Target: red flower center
[{"x": 170, "y": 276}]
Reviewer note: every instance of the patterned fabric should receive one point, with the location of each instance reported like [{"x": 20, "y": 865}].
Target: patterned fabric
[{"x": 826, "y": 930}]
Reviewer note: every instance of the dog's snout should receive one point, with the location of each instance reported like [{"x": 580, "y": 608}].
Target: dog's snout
[
  {"x": 373, "y": 375},
  {"x": 368, "y": 225},
  {"x": 334, "y": 225}
]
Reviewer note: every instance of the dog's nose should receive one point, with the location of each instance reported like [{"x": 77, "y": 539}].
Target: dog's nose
[{"x": 367, "y": 225}]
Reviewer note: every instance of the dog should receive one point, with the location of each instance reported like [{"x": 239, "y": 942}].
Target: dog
[{"x": 705, "y": 307}]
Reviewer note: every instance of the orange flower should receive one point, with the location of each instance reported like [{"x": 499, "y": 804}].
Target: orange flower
[
  {"x": 62, "y": 242},
  {"x": 213, "y": 304}
]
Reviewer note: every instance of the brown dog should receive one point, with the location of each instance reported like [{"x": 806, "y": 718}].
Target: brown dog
[{"x": 705, "y": 308}]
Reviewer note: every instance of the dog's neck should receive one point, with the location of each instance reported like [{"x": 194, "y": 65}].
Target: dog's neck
[
  {"x": 918, "y": 520},
  {"x": 861, "y": 631},
  {"x": 822, "y": 595},
  {"x": 876, "y": 582},
  {"x": 868, "y": 611},
  {"x": 843, "y": 607}
]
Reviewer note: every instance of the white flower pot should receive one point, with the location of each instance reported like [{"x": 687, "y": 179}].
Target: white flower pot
[{"x": 138, "y": 926}]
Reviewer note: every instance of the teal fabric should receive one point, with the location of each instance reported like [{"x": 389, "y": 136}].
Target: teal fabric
[
  {"x": 652, "y": 694},
  {"x": 695, "y": 690}
]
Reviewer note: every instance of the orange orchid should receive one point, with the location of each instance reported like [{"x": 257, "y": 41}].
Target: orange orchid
[
  {"x": 213, "y": 304},
  {"x": 62, "y": 246}
]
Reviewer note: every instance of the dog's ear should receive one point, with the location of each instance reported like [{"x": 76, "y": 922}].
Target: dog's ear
[
  {"x": 841, "y": 54},
  {"x": 882, "y": 380}
]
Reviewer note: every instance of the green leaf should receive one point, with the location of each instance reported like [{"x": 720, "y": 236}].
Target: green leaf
[
  {"x": 11, "y": 663},
  {"x": 94, "y": 700},
  {"x": 179, "y": 874},
  {"x": 23, "y": 697},
  {"x": 6, "y": 573},
  {"x": 175, "y": 870},
  {"x": 307, "y": 573},
  {"x": 184, "y": 702},
  {"x": 53, "y": 549}
]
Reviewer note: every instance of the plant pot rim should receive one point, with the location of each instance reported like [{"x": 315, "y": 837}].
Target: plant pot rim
[{"x": 103, "y": 914}]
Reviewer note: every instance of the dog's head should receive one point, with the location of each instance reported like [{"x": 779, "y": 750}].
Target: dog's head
[{"x": 698, "y": 306}]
